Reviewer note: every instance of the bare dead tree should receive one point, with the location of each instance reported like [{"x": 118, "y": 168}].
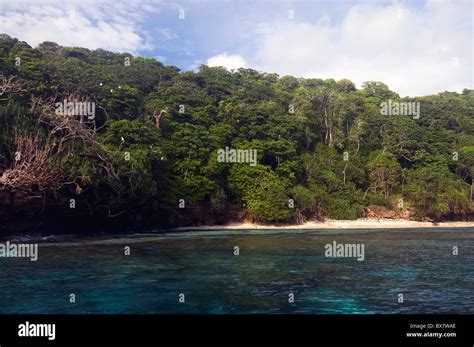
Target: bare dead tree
[
  {"x": 44, "y": 106},
  {"x": 34, "y": 168},
  {"x": 157, "y": 114},
  {"x": 10, "y": 86},
  {"x": 38, "y": 166},
  {"x": 38, "y": 169},
  {"x": 67, "y": 126}
]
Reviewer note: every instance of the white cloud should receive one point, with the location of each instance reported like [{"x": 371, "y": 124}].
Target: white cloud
[
  {"x": 111, "y": 25},
  {"x": 416, "y": 51},
  {"x": 167, "y": 34},
  {"x": 227, "y": 61},
  {"x": 415, "y": 48},
  {"x": 160, "y": 58}
]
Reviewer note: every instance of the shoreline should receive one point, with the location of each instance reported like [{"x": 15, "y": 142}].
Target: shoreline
[
  {"x": 361, "y": 223},
  {"x": 330, "y": 224}
]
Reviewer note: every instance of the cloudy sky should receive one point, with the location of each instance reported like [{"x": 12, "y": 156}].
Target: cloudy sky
[{"x": 416, "y": 47}]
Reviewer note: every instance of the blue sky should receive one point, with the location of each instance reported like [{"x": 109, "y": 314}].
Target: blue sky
[{"x": 416, "y": 47}]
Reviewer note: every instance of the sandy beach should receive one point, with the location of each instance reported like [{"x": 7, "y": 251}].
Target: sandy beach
[{"x": 362, "y": 223}]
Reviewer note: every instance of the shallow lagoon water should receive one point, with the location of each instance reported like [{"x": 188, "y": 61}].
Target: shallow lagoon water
[{"x": 419, "y": 263}]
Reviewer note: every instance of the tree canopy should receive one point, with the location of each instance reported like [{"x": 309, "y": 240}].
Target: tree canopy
[{"x": 148, "y": 156}]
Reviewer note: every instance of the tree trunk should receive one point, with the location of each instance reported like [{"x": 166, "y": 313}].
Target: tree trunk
[
  {"x": 472, "y": 187},
  {"x": 344, "y": 173}
]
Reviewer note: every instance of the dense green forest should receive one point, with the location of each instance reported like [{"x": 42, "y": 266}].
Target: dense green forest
[{"x": 148, "y": 158}]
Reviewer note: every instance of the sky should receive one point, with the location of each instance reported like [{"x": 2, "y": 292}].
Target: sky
[{"x": 415, "y": 47}]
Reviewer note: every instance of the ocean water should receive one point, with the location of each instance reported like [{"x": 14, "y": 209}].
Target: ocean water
[{"x": 272, "y": 264}]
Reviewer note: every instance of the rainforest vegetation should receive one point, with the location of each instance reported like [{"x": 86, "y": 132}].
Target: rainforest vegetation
[{"x": 148, "y": 156}]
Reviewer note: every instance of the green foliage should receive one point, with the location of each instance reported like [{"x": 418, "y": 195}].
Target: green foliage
[
  {"x": 436, "y": 192},
  {"x": 384, "y": 172},
  {"x": 262, "y": 192},
  {"x": 322, "y": 143},
  {"x": 378, "y": 199}
]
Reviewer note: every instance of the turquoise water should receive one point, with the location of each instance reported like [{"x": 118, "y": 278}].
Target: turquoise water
[{"x": 417, "y": 263}]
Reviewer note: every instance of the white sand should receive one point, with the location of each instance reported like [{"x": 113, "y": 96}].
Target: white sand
[{"x": 362, "y": 223}]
